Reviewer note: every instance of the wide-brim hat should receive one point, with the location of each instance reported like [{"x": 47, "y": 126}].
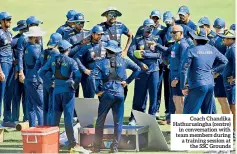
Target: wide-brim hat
[
  {"x": 34, "y": 32},
  {"x": 19, "y": 27},
  {"x": 199, "y": 34},
  {"x": 111, "y": 9},
  {"x": 228, "y": 34},
  {"x": 113, "y": 46}
]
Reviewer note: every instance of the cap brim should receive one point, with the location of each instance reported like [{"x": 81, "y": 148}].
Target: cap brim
[
  {"x": 168, "y": 20},
  {"x": 29, "y": 34},
  {"x": 117, "y": 12},
  {"x": 198, "y": 37},
  {"x": 225, "y": 36},
  {"x": 183, "y": 13},
  {"x": 155, "y": 15},
  {"x": 118, "y": 50},
  {"x": 15, "y": 29}
]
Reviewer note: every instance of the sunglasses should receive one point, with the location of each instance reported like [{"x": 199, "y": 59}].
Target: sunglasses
[
  {"x": 174, "y": 32},
  {"x": 80, "y": 23},
  {"x": 112, "y": 15},
  {"x": 8, "y": 19}
]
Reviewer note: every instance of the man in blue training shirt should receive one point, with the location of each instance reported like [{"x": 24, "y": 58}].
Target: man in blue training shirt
[
  {"x": 219, "y": 89},
  {"x": 32, "y": 81},
  {"x": 147, "y": 57},
  {"x": 45, "y": 56},
  {"x": 68, "y": 26},
  {"x": 6, "y": 60},
  {"x": 156, "y": 17},
  {"x": 197, "y": 69},
  {"x": 67, "y": 78},
  {"x": 184, "y": 18},
  {"x": 15, "y": 89},
  {"x": 111, "y": 95},
  {"x": 21, "y": 46},
  {"x": 87, "y": 57},
  {"x": 113, "y": 29},
  {"x": 205, "y": 23},
  {"x": 229, "y": 72}
]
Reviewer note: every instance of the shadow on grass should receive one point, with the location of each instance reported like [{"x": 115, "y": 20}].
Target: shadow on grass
[{"x": 10, "y": 151}]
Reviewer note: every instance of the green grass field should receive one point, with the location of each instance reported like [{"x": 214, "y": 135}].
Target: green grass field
[{"x": 52, "y": 13}]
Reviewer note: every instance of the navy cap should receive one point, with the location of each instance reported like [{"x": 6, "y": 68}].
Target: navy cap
[
  {"x": 55, "y": 38},
  {"x": 156, "y": 13},
  {"x": 232, "y": 27},
  {"x": 204, "y": 21},
  {"x": 113, "y": 46},
  {"x": 219, "y": 23},
  {"x": 199, "y": 34},
  {"x": 33, "y": 20},
  {"x": 64, "y": 45},
  {"x": 183, "y": 10},
  {"x": 111, "y": 9},
  {"x": 71, "y": 14},
  {"x": 97, "y": 29},
  {"x": 79, "y": 17},
  {"x": 5, "y": 15},
  {"x": 20, "y": 25},
  {"x": 168, "y": 17}
]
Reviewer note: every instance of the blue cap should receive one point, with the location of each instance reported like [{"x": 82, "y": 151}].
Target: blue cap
[
  {"x": 183, "y": 10},
  {"x": 232, "y": 27},
  {"x": 55, "y": 38},
  {"x": 219, "y": 23},
  {"x": 33, "y": 20},
  {"x": 156, "y": 13},
  {"x": 20, "y": 25},
  {"x": 168, "y": 16},
  {"x": 204, "y": 21},
  {"x": 199, "y": 34},
  {"x": 148, "y": 22},
  {"x": 71, "y": 14},
  {"x": 79, "y": 17},
  {"x": 97, "y": 29},
  {"x": 64, "y": 45},
  {"x": 113, "y": 46},
  {"x": 5, "y": 15}
]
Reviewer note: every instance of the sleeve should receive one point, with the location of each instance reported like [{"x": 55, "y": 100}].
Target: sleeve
[
  {"x": 74, "y": 50},
  {"x": 76, "y": 74},
  {"x": 92, "y": 77},
  {"x": 78, "y": 57},
  {"x": 44, "y": 70},
  {"x": 222, "y": 59},
  {"x": 37, "y": 64},
  {"x": 130, "y": 53},
  {"x": 20, "y": 52},
  {"x": 184, "y": 68},
  {"x": 60, "y": 31},
  {"x": 139, "y": 31},
  {"x": 233, "y": 62},
  {"x": 125, "y": 30},
  {"x": 136, "y": 70}
]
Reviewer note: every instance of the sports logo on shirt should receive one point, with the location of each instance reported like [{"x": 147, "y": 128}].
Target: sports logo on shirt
[{"x": 172, "y": 54}]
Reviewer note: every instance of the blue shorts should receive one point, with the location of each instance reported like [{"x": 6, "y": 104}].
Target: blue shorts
[
  {"x": 176, "y": 91},
  {"x": 219, "y": 89},
  {"x": 230, "y": 92}
]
